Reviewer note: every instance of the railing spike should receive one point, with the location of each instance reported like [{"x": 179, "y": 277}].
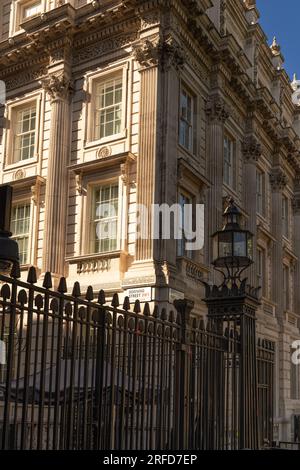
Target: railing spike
[
  {"x": 115, "y": 301},
  {"x": 164, "y": 315},
  {"x": 137, "y": 307},
  {"x": 76, "y": 292},
  {"x": 15, "y": 272},
  {"x": 89, "y": 294},
  {"x": 32, "y": 277},
  {"x": 47, "y": 281},
  {"x": 147, "y": 310},
  {"x": 101, "y": 297},
  {"x": 62, "y": 286},
  {"x": 126, "y": 304}
]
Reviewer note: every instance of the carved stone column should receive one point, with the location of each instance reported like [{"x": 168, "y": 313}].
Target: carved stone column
[
  {"x": 58, "y": 88},
  {"x": 278, "y": 182},
  {"x": 296, "y": 209},
  {"x": 155, "y": 57},
  {"x": 251, "y": 150},
  {"x": 217, "y": 114}
]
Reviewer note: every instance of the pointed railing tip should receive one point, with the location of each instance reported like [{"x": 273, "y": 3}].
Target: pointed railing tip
[
  {"x": 89, "y": 294},
  {"x": 62, "y": 286},
  {"x": 32, "y": 276},
  {"x": 115, "y": 301},
  {"x": 101, "y": 297},
  {"x": 126, "y": 304},
  {"x": 156, "y": 312},
  {"x": 15, "y": 272},
  {"x": 76, "y": 292},
  {"x": 47, "y": 283},
  {"x": 137, "y": 307},
  {"x": 147, "y": 309}
]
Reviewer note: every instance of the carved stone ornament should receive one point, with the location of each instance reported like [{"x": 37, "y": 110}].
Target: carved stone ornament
[
  {"x": 58, "y": 86},
  {"x": 278, "y": 180},
  {"x": 164, "y": 53},
  {"x": 296, "y": 204},
  {"x": 20, "y": 174},
  {"x": 104, "y": 152},
  {"x": 251, "y": 149},
  {"x": 216, "y": 110}
]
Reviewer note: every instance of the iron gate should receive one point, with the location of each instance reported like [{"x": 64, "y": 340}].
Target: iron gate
[{"x": 81, "y": 374}]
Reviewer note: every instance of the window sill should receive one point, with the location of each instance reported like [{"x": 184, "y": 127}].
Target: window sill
[
  {"x": 107, "y": 140},
  {"x": 189, "y": 153},
  {"x": 94, "y": 256},
  {"x": 21, "y": 164},
  {"x": 230, "y": 189}
]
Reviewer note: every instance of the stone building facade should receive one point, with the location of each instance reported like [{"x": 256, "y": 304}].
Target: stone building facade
[{"x": 153, "y": 101}]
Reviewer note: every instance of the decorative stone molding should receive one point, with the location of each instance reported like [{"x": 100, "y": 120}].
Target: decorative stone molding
[
  {"x": 20, "y": 174},
  {"x": 296, "y": 204},
  {"x": 24, "y": 78},
  {"x": 79, "y": 184},
  {"x": 150, "y": 20},
  {"x": 104, "y": 46},
  {"x": 217, "y": 110},
  {"x": 58, "y": 86},
  {"x": 104, "y": 152},
  {"x": 251, "y": 149},
  {"x": 278, "y": 180},
  {"x": 164, "y": 53},
  {"x": 223, "y": 28},
  {"x": 93, "y": 265}
]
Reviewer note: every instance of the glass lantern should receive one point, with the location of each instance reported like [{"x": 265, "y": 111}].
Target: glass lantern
[{"x": 232, "y": 246}]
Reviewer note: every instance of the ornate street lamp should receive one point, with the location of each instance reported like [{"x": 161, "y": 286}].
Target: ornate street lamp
[
  {"x": 9, "y": 250},
  {"x": 232, "y": 246}
]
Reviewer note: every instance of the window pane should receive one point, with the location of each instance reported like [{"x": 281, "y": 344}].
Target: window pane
[
  {"x": 186, "y": 120},
  {"x": 20, "y": 227},
  {"x": 25, "y": 134},
  {"x": 104, "y": 232},
  {"x": 109, "y": 108}
]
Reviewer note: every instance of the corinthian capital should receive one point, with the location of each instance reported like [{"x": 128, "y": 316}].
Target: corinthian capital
[
  {"x": 164, "y": 53},
  {"x": 251, "y": 149},
  {"x": 58, "y": 86},
  {"x": 278, "y": 180},
  {"x": 217, "y": 110}
]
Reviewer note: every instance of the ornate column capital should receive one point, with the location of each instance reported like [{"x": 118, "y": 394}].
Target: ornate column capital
[
  {"x": 217, "y": 110},
  {"x": 251, "y": 149},
  {"x": 158, "y": 52},
  {"x": 278, "y": 180},
  {"x": 58, "y": 86}
]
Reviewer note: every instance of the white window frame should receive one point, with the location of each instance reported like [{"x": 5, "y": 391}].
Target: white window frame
[
  {"x": 88, "y": 211},
  {"x": 18, "y": 7},
  {"x": 11, "y": 113},
  {"x": 181, "y": 251},
  {"x": 92, "y": 81},
  {"x": 260, "y": 192},
  {"x": 23, "y": 202},
  {"x": 232, "y": 172},
  {"x": 261, "y": 264},
  {"x": 285, "y": 213},
  {"x": 286, "y": 288},
  {"x": 182, "y": 119}
]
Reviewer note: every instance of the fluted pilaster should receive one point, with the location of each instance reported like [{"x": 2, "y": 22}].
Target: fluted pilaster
[
  {"x": 251, "y": 150},
  {"x": 278, "y": 182},
  {"x": 58, "y": 88},
  {"x": 296, "y": 209},
  {"x": 146, "y": 166},
  {"x": 217, "y": 114}
]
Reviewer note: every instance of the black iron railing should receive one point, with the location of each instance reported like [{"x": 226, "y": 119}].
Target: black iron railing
[{"x": 81, "y": 374}]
